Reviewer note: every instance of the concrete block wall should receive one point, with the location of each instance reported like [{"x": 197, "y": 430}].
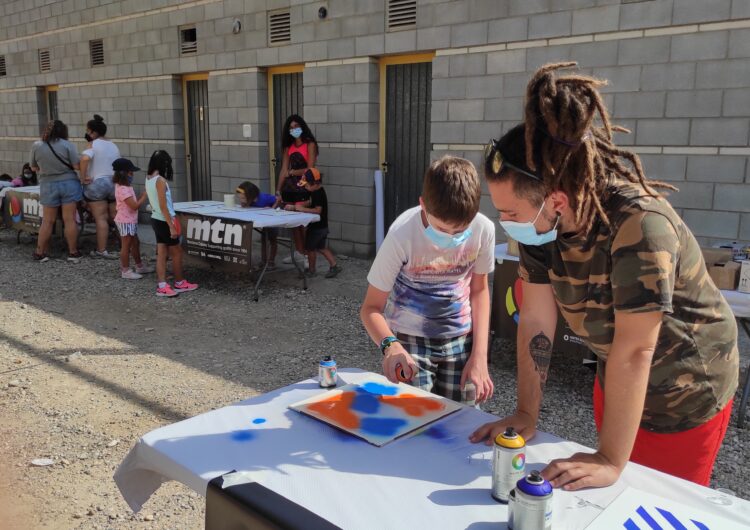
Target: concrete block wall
[
  {"x": 238, "y": 97},
  {"x": 341, "y": 106},
  {"x": 678, "y": 72}
]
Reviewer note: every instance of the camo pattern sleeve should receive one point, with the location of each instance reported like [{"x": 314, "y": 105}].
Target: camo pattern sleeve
[{"x": 644, "y": 261}]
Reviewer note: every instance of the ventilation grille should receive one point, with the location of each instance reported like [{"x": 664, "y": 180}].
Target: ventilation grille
[
  {"x": 402, "y": 14},
  {"x": 44, "y": 65},
  {"x": 96, "y": 49},
  {"x": 2, "y": 66},
  {"x": 279, "y": 27},
  {"x": 188, "y": 41}
]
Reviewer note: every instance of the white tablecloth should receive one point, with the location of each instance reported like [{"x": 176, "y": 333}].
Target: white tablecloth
[
  {"x": 436, "y": 479},
  {"x": 260, "y": 217},
  {"x": 22, "y": 189}
]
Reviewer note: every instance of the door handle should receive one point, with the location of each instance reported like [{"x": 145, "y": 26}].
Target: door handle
[
  {"x": 189, "y": 158},
  {"x": 274, "y": 161},
  {"x": 385, "y": 166}
]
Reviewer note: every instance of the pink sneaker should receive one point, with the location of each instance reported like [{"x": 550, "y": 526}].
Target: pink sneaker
[
  {"x": 165, "y": 291},
  {"x": 185, "y": 286}
]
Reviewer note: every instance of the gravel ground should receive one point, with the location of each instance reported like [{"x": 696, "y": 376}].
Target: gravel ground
[{"x": 89, "y": 362}]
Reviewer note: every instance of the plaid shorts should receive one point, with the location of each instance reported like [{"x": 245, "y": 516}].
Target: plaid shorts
[{"x": 440, "y": 361}]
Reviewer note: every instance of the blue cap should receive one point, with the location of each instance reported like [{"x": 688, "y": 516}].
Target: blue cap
[
  {"x": 534, "y": 485},
  {"x": 327, "y": 361}
]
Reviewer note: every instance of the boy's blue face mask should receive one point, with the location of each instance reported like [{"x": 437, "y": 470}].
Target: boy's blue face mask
[
  {"x": 446, "y": 241},
  {"x": 526, "y": 234}
]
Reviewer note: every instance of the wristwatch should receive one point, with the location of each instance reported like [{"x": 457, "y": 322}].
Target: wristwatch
[{"x": 386, "y": 343}]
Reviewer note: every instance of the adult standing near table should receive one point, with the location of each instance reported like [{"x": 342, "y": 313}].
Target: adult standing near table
[
  {"x": 296, "y": 137},
  {"x": 55, "y": 160},
  {"x": 96, "y": 175},
  {"x": 599, "y": 242}
]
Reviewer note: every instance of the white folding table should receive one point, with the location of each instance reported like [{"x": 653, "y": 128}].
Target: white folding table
[{"x": 430, "y": 479}]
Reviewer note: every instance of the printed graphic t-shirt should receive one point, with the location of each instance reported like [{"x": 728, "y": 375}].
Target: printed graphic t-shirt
[
  {"x": 125, "y": 214},
  {"x": 264, "y": 200},
  {"x": 647, "y": 261},
  {"x": 430, "y": 286}
]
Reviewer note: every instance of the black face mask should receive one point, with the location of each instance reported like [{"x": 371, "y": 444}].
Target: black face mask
[{"x": 88, "y": 137}]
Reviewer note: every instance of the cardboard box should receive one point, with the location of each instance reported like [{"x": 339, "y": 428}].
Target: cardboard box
[
  {"x": 744, "y": 282},
  {"x": 507, "y": 297},
  {"x": 723, "y": 271}
]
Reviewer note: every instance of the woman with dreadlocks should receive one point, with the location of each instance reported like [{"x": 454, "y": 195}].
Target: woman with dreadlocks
[{"x": 600, "y": 243}]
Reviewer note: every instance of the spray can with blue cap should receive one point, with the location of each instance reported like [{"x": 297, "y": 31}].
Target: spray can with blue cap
[{"x": 530, "y": 504}]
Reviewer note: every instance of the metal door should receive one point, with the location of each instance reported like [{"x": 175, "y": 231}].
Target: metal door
[
  {"x": 287, "y": 99},
  {"x": 199, "y": 145},
  {"x": 408, "y": 90}
]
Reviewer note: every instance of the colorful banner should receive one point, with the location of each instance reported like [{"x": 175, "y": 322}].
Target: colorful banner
[
  {"x": 23, "y": 211},
  {"x": 222, "y": 242},
  {"x": 507, "y": 298}
]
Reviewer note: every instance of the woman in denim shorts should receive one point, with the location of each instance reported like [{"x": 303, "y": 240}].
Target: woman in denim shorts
[
  {"x": 98, "y": 188},
  {"x": 55, "y": 160}
]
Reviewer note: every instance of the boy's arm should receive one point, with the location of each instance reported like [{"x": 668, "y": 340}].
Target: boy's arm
[
  {"x": 475, "y": 369},
  {"x": 305, "y": 209},
  {"x": 374, "y": 321}
]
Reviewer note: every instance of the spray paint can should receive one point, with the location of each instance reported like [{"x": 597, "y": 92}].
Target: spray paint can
[
  {"x": 327, "y": 372},
  {"x": 508, "y": 462},
  {"x": 530, "y": 504}
]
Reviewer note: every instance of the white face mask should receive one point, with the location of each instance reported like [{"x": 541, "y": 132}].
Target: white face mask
[{"x": 526, "y": 234}]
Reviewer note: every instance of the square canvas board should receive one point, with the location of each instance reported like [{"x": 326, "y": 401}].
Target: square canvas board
[{"x": 376, "y": 410}]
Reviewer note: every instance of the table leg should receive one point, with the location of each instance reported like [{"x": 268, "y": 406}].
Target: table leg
[
  {"x": 746, "y": 387},
  {"x": 263, "y": 270},
  {"x": 299, "y": 268}
]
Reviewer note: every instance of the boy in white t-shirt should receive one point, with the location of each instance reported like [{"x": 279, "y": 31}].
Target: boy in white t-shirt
[{"x": 428, "y": 303}]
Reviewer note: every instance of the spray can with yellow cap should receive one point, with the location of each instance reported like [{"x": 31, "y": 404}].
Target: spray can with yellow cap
[{"x": 508, "y": 463}]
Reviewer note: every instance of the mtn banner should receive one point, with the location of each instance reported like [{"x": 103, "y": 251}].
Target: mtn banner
[
  {"x": 23, "y": 211},
  {"x": 222, "y": 242}
]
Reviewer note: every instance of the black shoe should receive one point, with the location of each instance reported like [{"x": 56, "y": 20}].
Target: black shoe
[
  {"x": 333, "y": 271},
  {"x": 41, "y": 258}
]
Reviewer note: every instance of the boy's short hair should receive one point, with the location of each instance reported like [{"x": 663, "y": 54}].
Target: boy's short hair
[
  {"x": 312, "y": 176},
  {"x": 451, "y": 190}
]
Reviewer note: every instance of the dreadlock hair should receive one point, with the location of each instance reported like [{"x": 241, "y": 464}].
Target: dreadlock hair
[
  {"x": 570, "y": 149},
  {"x": 161, "y": 161}
]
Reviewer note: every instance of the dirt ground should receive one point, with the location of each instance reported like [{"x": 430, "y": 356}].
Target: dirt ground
[{"x": 90, "y": 362}]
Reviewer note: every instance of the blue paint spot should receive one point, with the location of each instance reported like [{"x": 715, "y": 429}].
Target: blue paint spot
[
  {"x": 380, "y": 389},
  {"x": 365, "y": 403},
  {"x": 242, "y": 436},
  {"x": 438, "y": 432},
  {"x": 258, "y": 421},
  {"x": 382, "y": 426}
]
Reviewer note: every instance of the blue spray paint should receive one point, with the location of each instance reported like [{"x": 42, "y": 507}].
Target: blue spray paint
[
  {"x": 380, "y": 389},
  {"x": 382, "y": 426},
  {"x": 242, "y": 436},
  {"x": 365, "y": 403},
  {"x": 258, "y": 421}
]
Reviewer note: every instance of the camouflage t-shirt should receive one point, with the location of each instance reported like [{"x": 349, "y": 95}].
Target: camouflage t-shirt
[{"x": 647, "y": 261}]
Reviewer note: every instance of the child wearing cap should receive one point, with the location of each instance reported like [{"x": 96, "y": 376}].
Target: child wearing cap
[
  {"x": 316, "y": 234},
  {"x": 250, "y": 196},
  {"x": 126, "y": 219}
]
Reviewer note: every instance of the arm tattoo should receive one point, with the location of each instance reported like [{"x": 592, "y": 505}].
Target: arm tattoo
[{"x": 540, "y": 348}]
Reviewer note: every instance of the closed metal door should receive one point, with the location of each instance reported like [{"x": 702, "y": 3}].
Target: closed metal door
[
  {"x": 199, "y": 145},
  {"x": 407, "y": 135},
  {"x": 287, "y": 100}
]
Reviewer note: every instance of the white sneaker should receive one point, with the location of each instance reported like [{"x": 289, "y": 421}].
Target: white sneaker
[
  {"x": 104, "y": 255},
  {"x": 144, "y": 268},
  {"x": 130, "y": 275}
]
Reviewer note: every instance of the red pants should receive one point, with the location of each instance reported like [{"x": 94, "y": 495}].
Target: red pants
[{"x": 688, "y": 454}]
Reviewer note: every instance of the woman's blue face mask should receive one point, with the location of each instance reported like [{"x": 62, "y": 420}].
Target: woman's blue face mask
[
  {"x": 296, "y": 132},
  {"x": 526, "y": 234},
  {"x": 443, "y": 240}
]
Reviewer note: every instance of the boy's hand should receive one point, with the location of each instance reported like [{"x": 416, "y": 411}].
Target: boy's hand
[
  {"x": 397, "y": 358},
  {"x": 477, "y": 373},
  {"x": 522, "y": 422},
  {"x": 290, "y": 207}
]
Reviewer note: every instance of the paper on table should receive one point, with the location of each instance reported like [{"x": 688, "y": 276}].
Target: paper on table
[{"x": 635, "y": 509}]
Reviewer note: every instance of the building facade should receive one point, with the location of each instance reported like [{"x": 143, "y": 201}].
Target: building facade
[{"x": 384, "y": 84}]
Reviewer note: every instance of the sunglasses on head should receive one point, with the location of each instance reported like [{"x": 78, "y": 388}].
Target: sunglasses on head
[{"x": 493, "y": 154}]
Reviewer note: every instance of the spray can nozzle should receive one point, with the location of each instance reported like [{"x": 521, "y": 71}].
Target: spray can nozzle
[{"x": 510, "y": 432}]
